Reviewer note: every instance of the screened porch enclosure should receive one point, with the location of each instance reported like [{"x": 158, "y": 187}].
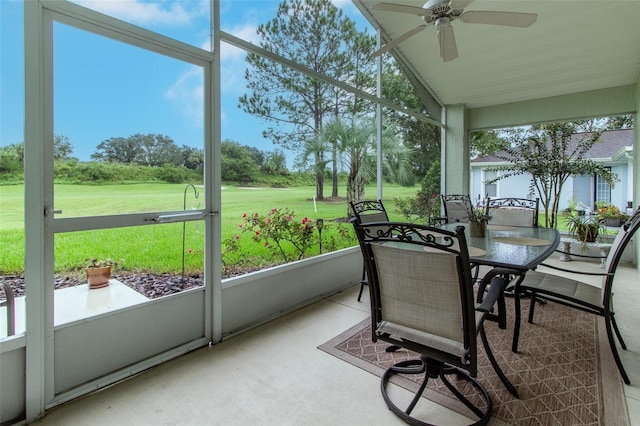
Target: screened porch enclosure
[{"x": 66, "y": 345}]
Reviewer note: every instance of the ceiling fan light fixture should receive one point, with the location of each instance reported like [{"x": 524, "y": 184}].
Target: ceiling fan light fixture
[{"x": 440, "y": 13}]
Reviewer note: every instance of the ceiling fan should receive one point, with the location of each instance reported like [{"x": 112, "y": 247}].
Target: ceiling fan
[{"x": 441, "y": 13}]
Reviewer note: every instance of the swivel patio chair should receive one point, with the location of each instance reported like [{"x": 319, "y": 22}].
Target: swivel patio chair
[
  {"x": 368, "y": 211},
  {"x": 577, "y": 294},
  {"x": 422, "y": 300},
  {"x": 513, "y": 211}
]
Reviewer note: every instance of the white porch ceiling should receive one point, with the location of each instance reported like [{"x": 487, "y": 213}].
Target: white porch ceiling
[{"x": 575, "y": 46}]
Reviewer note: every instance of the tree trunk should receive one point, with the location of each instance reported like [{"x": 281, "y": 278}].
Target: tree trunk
[
  {"x": 319, "y": 186},
  {"x": 334, "y": 191}
]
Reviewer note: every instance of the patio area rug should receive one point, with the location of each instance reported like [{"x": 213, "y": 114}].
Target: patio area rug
[{"x": 564, "y": 371}]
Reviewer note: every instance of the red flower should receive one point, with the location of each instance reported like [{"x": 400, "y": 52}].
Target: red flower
[{"x": 244, "y": 215}]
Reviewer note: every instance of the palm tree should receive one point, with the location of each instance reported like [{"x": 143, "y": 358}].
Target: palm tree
[{"x": 355, "y": 144}]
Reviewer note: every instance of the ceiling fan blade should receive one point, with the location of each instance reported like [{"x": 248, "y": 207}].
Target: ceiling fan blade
[
  {"x": 459, "y": 4},
  {"x": 401, "y": 8},
  {"x": 399, "y": 40},
  {"x": 447, "y": 40},
  {"x": 510, "y": 19}
]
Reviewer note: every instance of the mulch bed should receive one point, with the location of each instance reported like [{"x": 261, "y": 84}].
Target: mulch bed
[{"x": 149, "y": 284}]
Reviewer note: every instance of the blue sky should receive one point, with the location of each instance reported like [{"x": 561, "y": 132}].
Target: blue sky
[{"x": 106, "y": 89}]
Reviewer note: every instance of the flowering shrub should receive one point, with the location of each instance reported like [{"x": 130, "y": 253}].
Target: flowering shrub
[
  {"x": 288, "y": 237},
  {"x": 422, "y": 208}
]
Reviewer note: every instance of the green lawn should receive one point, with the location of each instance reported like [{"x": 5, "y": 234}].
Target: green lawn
[{"x": 158, "y": 248}]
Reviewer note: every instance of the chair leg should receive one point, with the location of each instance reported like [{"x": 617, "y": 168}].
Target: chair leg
[
  {"x": 608, "y": 320},
  {"x": 532, "y": 307},
  {"x": 617, "y": 331},
  {"x": 362, "y": 284},
  {"x": 516, "y": 322},
  {"x": 494, "y": 364},
  {"x": 434, "y": 369},
  {"x": 363, "y": 281}
]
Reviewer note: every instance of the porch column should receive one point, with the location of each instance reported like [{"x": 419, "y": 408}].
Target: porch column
[{"x": 455, "y": 172}]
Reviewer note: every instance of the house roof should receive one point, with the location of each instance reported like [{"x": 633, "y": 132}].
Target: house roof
[
  {"x": 575, "y": 46},
  {"x": 611, "y": 145}
]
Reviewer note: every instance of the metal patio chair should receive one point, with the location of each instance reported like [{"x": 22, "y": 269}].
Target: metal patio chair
[
  {"x": 576, "y": 294},
  {"x": 457, "y": 208},
  {"x": 513, "y": 211},
  {"x": 368, "y": 211},
  {"x": 422, "y": 300}
]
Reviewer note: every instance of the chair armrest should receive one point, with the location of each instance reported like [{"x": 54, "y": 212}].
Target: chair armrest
[
  {"x": 580, "y": 255},
  {"x": 495, "y": 290},
  {"x": 488, "y": 278},
  {"x": 434, "y": 221},
  {"x": 573, "y": 271}
]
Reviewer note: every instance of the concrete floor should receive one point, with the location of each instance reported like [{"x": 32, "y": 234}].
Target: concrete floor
[{"x": 275, "y": 375}]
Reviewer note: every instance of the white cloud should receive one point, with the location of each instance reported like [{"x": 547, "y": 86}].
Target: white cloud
[
  {"x": 233, "y": 59},
  {"x": 187, "y": 93},
  {"x": 144, "y": 13}
]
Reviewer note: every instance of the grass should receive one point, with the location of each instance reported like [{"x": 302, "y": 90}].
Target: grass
[{"x": 158, "y": 248}]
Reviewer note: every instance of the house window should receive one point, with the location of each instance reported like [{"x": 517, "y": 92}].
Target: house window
[
  {"x": 602, "y": 190},
  {"x": 490, "y": 189}
]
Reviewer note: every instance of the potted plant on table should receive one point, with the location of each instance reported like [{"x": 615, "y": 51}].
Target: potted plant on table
[
  {"x": 99, "y": 272},
  {"x": 585, "y": 228},
  {"x": 478, "y": 219}
]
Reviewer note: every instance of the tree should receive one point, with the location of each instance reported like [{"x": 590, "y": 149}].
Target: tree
[
  {"x": 313, "y": 33},
  {"x": 356, "y": 145},
  {"x": 423, "y": 138},
  {"x": 275, "y": 163},
  {"x": 62, "y": 148},
  {"x": 425, "y": 206},
  {"x": 12, "y": 158},
  {"x": 550, "y": 155},
  {"x": 117, "y": 150},
  {"x": 147, "y": 150},
  {"x": 157, "y": 150},
  {"x": 620, "y": 122},
  {"x": 486, "y": 143},
  {"x": 192, "y": 158},
  {"x": 238, "y": 165},
  {"x": 359, "y": 71}
]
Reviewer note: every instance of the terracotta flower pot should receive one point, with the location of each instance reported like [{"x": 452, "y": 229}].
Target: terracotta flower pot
[{"x": 98, "y": 277}]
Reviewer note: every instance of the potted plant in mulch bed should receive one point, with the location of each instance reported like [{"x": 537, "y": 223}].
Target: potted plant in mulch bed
[{"x": 99, "y": 271}]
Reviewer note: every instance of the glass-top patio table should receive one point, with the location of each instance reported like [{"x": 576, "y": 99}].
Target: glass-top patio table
[
  {"x": 510, "y": 251},
  {"x": 510, "y": 247}
]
